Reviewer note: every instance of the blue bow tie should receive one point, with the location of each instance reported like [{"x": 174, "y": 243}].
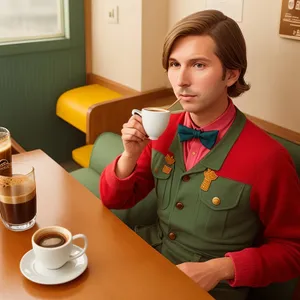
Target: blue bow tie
[{"x": 207, "y": 138}]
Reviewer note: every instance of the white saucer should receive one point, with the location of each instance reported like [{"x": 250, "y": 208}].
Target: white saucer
[{"x": 39, "y": 274}]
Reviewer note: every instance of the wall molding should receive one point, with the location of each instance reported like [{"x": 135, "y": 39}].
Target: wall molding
[{"x": 117, "y": 87}]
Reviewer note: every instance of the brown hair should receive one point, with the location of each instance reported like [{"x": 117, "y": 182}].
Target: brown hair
[{"x": 230, "y": 43}]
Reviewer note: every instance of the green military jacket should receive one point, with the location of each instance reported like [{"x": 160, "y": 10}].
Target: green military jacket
[{"x": 199, "y": 216}]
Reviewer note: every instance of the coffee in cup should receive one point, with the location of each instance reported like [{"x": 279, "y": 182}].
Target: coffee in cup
[
  {"x": 53, "y": 246},
  {"x": 5, "y": 152},
  {"x": 155, "y": 120},
  {"x": 156, "y": 109},
  {"x": 18, "y": 198},
  {"x": 51, "y": 240}
]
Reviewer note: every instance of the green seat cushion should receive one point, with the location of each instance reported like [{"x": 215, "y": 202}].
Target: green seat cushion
[
  {"x": 106, "y": 148},
  {"x": 144, "y": 213},
  {"x": 292, "y": 148},
  {"x": 89, "y": 178}
]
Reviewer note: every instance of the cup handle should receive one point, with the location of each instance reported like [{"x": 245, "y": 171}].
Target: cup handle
[
  {"x": 136, "y": 112},
  {"x": 78, "y": 236}
]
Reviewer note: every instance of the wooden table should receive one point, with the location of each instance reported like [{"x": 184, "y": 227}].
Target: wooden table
[{"x": 121, "y": 265}]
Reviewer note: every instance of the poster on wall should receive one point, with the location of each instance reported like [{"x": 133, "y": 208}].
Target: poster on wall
[{"x": 290, "y": 19}]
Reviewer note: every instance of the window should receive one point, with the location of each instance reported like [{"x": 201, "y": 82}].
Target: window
[{"x": 29, "y": 20}]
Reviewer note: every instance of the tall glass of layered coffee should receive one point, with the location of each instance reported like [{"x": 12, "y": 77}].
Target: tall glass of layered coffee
[
  {"x": 18, "y": 198},
  {"x": 5, "y": 152}
]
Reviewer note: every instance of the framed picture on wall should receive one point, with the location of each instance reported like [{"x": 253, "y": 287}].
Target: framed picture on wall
[{"x": 290, "y": 19}]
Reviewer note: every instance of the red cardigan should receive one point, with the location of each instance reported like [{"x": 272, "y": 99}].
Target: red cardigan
[{"x": 275, "y": 197}]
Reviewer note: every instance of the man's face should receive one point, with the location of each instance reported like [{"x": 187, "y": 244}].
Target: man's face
[{"x": 196, "y": 74}]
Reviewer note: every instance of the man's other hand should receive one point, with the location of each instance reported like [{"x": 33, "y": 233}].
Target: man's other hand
[{"x": 208, "y": 274}]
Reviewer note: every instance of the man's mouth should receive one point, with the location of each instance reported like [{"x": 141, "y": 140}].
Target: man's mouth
[{"x": 186, "y": 96}]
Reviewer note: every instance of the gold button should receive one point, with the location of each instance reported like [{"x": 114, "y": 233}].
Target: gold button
[
  {"x": 216, "y": 201},
  {"x": 194, "y": 153}
]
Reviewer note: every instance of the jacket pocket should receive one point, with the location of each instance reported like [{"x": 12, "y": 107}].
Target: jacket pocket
[{"x": 218, "y": 208}]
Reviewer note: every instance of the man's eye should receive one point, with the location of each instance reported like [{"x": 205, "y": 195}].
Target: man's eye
[
  {"x": 199, "y": 65},
  {"x": 173, "y": 64}
]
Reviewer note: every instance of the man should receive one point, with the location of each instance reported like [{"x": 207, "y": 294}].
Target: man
[{"x": 228, "y": 194}]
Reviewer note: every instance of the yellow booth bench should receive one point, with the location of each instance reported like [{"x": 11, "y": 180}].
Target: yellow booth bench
[{"x": 72, "y": 106}]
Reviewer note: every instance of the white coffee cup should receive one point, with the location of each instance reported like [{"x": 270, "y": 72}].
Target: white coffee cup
[
  {"x": 155, "y": 120},
  {"x": 53, "y": 246}
]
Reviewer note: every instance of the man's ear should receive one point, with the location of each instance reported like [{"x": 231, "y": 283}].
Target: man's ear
[{"x": 232, "y": 77}]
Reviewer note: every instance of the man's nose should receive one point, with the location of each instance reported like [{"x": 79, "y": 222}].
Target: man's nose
[{"x": 183, "y": 78}]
